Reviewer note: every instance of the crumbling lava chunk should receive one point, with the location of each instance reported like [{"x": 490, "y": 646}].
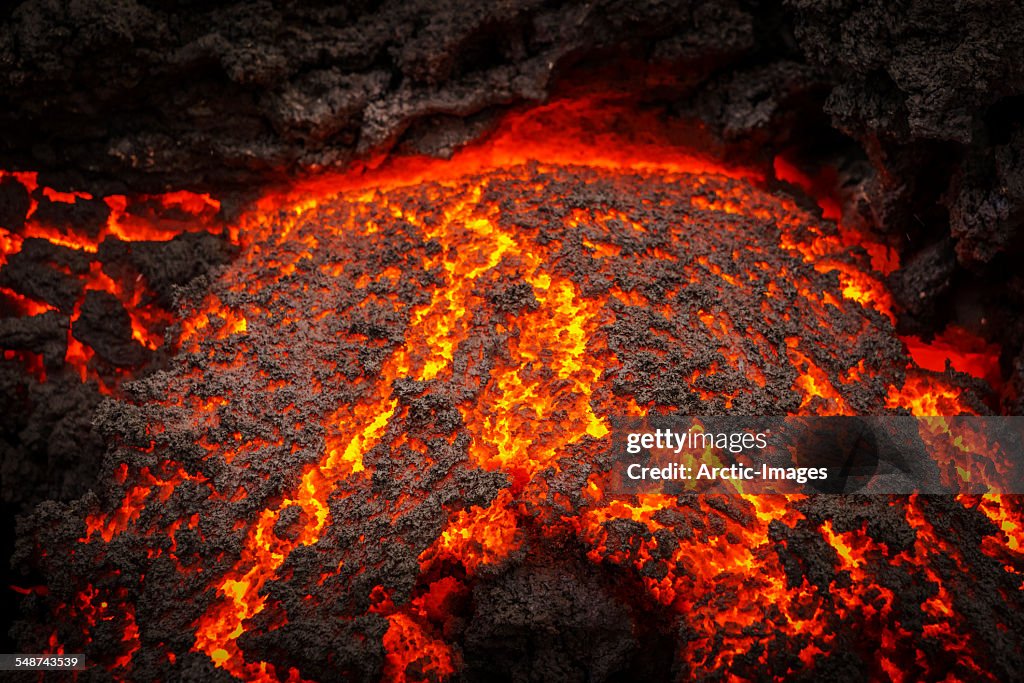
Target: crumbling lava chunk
[
  {"x": 105, "y": 326},
  {"x": 84, "y": 215},
  {"x": 47, "y": 272},
  {"x": 167, "y": 265},
  {"x": 14, "y": 204}
]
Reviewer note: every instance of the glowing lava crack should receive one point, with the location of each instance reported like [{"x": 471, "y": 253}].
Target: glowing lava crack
[{"x": 381, "y": 447}]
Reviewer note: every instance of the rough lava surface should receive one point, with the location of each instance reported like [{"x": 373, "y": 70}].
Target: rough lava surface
[{"x": 380, "y": 449}]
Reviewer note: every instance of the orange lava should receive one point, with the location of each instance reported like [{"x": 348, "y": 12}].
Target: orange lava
[{"x": 965, "y": 352}]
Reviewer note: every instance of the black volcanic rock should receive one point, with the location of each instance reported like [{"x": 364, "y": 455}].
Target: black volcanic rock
[
  {"x": 918, "y": 285},
  {"x": 170, "y": 264},
  {"x": 105, "y": 326},
  {"x": 46, "y": 272},
  {"x": 85, "y": 215},
  {"x": 113, "y": 95},
  {"x": 14, "y": 204},
  {"x": 45, "y": 334},
  {"x": 986, "y": 203},
  {"x": 526, "y": 621},
  {"x": 214, "y": 94},
  {"x": 48, "y": 448},
  {"x": 932, "y": 91}
]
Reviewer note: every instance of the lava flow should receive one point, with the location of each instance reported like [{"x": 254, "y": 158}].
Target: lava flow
[{"x": 380, "y": 448}]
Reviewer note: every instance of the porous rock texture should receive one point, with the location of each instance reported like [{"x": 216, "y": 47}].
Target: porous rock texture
[{"x": 319, "y": 459}]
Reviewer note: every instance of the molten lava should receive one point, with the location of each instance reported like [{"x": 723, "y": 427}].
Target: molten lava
[
  {"x": 59, "y": 260},
  {"x": 390, "y": 415}
]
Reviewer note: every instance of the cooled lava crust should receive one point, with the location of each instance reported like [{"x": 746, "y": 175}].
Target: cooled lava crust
[{"x": 380, "y": 453}]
